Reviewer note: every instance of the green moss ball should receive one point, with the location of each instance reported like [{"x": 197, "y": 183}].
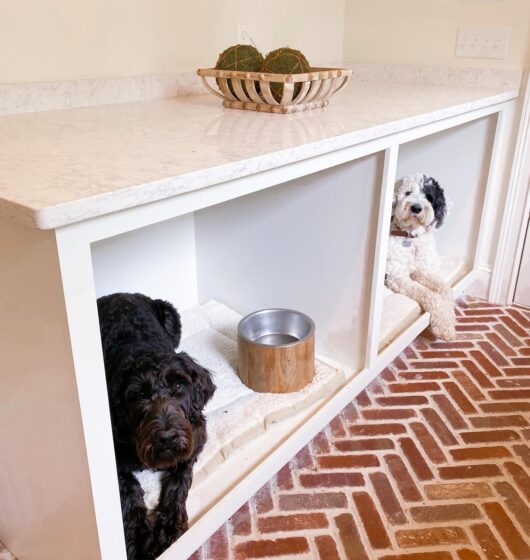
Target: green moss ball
[
  {"x": 285, "y": 61},
  {"x": 244, "y": 58}
]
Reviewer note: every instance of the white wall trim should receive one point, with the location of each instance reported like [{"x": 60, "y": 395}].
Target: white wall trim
[
  {"x": 480, "y": 286},
  {"x": 502, "y": 287}
]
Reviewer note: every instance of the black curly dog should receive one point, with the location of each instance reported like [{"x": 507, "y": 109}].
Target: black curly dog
[{"x": 156, "y": 399}]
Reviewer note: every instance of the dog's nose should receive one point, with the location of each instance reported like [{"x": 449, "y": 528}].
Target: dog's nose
[
  {"x": 167, "y": 438},
  {"x": 415, "y": 208}
]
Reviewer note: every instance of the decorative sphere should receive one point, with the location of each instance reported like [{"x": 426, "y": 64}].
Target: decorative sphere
[
  {"x": 244, "y": 58},
  {"x": 285, "y": 61}
]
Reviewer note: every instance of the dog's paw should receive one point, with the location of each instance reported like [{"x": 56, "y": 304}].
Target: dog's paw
[
  {"x": 443, "y": 332},
  {"x": 443, "y": 323}
]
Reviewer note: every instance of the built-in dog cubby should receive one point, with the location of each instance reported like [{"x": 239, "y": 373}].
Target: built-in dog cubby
[
  {"x": 308, "y": 245},
  {"x": 237, "y": 211},
  {"x": 459, "y": 160}
]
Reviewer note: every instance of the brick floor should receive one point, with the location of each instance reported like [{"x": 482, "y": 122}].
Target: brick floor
[{"x": 432, "y": 461}]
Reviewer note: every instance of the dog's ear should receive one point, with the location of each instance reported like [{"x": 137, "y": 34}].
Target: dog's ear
[
  {"x": 397, "y": 186},
  {"x": 436, "y": 196},
  {"x": 202, "y": 386},
  {"x": 169, "y": 319}
]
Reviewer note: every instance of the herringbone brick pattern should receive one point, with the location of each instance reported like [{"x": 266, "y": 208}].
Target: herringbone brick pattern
[{"x": 432, "y": 461}]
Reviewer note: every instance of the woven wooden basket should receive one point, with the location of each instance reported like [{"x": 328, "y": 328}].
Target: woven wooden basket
[{"x": 317, "y": 87}]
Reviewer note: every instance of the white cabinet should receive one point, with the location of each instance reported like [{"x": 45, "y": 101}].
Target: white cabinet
[{"x": 310, "y": 234}]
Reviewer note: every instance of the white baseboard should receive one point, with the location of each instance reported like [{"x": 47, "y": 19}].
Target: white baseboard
[{"x": 480, "y": 286}]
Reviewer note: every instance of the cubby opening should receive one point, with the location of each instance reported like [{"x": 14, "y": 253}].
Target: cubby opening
[
  {"x": 459, "y": 159},
  {"x": 307, "y": 244}
]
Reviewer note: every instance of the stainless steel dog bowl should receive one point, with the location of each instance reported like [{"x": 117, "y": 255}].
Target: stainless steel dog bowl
[{"x": 276, "y": 350}]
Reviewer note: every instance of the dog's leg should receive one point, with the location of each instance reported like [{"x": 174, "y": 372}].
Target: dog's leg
[
  {"x": 433, "y": 282},
  {"x": 138, "y": 534},
  {"x": 442, "y": 314},
  {"x": 171, "y": 517}
]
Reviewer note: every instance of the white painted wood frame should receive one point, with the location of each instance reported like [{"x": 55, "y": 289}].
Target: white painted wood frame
[{"x": 513, "y": 230}]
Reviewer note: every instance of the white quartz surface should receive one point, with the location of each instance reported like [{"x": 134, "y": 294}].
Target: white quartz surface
[{"x": 62, "y": 167}]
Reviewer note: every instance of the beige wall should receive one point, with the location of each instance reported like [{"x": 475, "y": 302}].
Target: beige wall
[
  {"x": 44, "y": 40},
  {"x": 424, "y": 31}
]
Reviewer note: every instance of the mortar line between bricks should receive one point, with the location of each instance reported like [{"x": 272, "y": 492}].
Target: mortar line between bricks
[
  {"x": 394, "y": 485},
  {"x": 500, "y": 540},
  {"x": 412, "y": 473},
  {"x": 386, "y": 523},
  {"x": 514, "y": 518},
  {"x": 482, "y": 369},
  {"x": 274, "y": 492},
  {"x": 441, "y": 414},
  {"x": 518, "y": 461},
  {"x": 430, "y": 431},
  {"x": 471, "y": 381},
  {"x": 313, "y": 551},
  {"x": 333, "y": 531},
  {"x": 229, "y": 535},
  {"x": 472, "y": 539},
  {"x": 360, "y": 527}
]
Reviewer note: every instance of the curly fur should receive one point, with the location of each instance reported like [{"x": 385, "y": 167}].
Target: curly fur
[
  {"x": 156, "y": 399},
  {"x": 419, "y": 208}
]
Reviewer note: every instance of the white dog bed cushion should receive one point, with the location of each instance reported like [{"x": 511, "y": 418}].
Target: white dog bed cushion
[{"x": 236, "y": 414}]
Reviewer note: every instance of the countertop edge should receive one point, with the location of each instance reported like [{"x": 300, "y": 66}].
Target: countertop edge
[{"x": 69, "y": 213}]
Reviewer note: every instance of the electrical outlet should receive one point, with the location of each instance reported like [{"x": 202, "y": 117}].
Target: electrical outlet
[
  {"x": 244, "y": 36},
  {"x": 482, "y": 42}
]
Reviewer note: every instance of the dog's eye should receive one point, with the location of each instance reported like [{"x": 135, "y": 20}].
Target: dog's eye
[
  {"x": 136, "y": 393},
  {"x": 429, "y": 198},
  {"x": 408, "y": 193},
  {"x": 145, "y": 392}
]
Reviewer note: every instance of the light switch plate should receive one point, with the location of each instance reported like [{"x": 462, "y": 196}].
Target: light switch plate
[{"x": 482, "y": 42}]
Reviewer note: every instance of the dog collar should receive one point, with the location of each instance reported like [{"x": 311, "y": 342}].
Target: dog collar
[{"x": 399, "y": 233}]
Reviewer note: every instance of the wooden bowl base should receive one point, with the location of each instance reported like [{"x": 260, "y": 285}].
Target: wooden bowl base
[{"x": 283, "y": 109}]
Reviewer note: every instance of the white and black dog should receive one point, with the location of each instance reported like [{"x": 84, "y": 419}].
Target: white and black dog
[{"x": 418, "y": 209}]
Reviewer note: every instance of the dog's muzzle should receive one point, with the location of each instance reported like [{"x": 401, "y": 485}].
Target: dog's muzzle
[{"x": 165, "y": 436}]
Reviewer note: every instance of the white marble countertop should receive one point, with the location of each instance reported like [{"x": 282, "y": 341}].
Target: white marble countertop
[{"x": 65, "y": 166}]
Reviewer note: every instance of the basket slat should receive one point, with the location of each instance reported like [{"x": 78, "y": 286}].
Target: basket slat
[
  {"x": 345, "y": 80},
  {"x": 287, "y": 94},
  {"x": 326, "y": 88},
  {"x": 210, "y": 88},
  {"x": 238, "y": 89},
  {"x": 223, "y": 85},
  {"x": 302, "y": 93},
  {"x": 252, "y": 90},
  {"x": 313, "y": 91},
  {"x": 265, "y": 89}
]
